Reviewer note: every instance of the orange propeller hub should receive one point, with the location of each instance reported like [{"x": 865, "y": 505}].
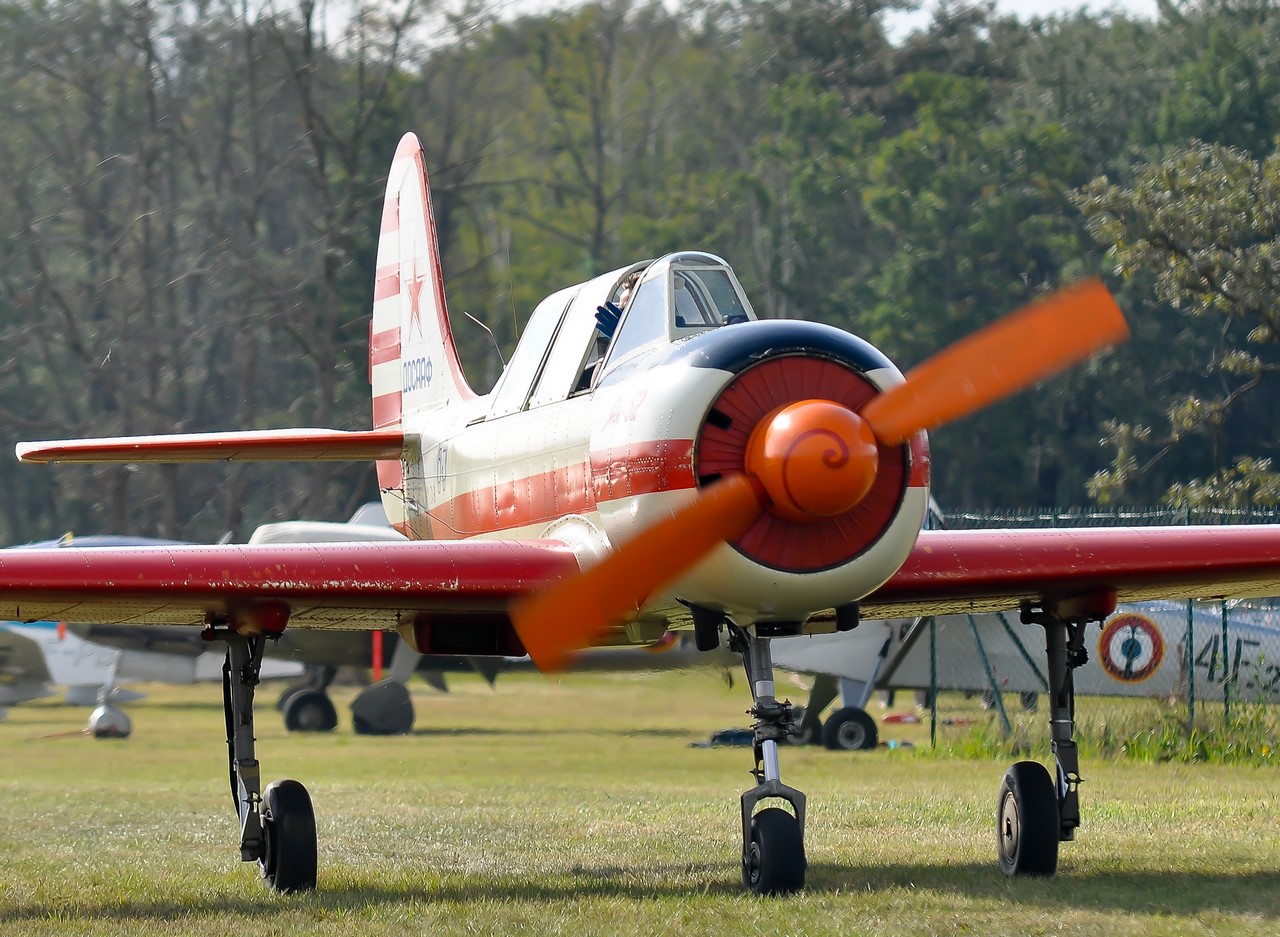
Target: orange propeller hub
[{"x": 814, "y": 458}]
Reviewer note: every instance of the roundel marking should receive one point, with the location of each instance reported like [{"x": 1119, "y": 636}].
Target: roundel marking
[{"x": 1131, "y": 648}]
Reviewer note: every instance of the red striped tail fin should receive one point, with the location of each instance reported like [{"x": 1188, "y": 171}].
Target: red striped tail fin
[{"x": 413, "y": 362}]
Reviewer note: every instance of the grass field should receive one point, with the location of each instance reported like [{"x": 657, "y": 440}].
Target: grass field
[{"x": 576, "y": 806}]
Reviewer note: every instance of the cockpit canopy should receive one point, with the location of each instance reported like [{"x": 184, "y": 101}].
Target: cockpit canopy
[
  {"x": 563, "y": 352},
  {"x": 678, "y": 295}
]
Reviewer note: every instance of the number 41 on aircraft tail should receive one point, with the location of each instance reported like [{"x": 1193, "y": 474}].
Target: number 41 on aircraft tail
[{"x": 654, "y": 456}]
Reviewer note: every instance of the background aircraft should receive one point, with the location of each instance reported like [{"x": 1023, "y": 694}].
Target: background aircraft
[
  {"x": 23, "y": 672},
  {"x": 1140, "y": 650},
  {"x": 653, "y": 456},
  {"x": 39, "y": 654}
]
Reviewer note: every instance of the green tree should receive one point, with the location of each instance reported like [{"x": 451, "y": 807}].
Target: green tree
[
  {"x": 978, "y": 214},
  {"x": 1202, "y": 228}
]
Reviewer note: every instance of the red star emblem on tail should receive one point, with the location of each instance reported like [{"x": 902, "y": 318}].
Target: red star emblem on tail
[{"x": 414, "y": 284}]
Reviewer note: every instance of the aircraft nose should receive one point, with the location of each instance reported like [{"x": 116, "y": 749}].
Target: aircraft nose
[{"x": 814, "y": 458}]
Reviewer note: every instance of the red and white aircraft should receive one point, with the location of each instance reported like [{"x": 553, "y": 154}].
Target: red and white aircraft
[{"x": 689, "y": 466}]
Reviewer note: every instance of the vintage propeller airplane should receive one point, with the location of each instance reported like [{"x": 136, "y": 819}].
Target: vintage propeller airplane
[{"x": 669, "y": 459}]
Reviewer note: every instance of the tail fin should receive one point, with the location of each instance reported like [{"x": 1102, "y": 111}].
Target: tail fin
[{"x": 413, "y": 362}]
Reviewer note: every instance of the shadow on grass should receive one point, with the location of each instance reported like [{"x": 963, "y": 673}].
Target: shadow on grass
[
  {"x": 525, "y": 731},
  {"x": 1252, "y": 893},
  {"x": 1136, "y": 892},
  {"x": 253, "y": 899}
]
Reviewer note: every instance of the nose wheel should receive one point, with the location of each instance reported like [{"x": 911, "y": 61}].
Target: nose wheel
[{"x": 773, "y": 860}]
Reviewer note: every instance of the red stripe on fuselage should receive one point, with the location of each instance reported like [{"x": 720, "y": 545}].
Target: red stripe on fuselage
[{"x": 622, "y": 472}]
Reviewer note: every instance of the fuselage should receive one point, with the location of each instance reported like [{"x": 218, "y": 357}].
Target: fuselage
[{"x": 588, "y": 439}]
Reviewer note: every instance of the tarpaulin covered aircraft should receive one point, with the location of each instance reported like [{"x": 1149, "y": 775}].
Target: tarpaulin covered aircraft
[
  {"x": 652, "y": 456},
  {"x": 1157, "y": 649}
]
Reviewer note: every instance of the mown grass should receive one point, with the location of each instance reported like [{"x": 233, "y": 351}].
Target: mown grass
[{"x": 575, "y": 806}]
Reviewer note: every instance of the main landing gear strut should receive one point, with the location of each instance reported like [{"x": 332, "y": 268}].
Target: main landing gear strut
[
  {"x": 773, "y": 861},
  {"x": 1035, "y": 812},
  {"x": 278, "y": 825}
]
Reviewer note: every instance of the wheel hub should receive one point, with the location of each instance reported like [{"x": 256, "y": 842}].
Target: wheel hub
[
  {"x": 1009, "y": 825},
  {"x": 852, "y": 736},
  {"x": 752, "y": 864}
]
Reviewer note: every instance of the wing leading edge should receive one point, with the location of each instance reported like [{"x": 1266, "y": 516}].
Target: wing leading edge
[
  {"x": 952, "y": 572},
  {"x": 277, "y": 445},
  {"x": 352, "y": 586}
]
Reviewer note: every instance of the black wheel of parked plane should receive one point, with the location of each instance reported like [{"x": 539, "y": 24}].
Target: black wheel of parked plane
[
  {"x": 310, "y": 710},
  {"x": 774, "y": 862},
  {"x": 808, "y": 731},
  {"x": 1027, "y": 825},
  {"x": 850, "y": 729},
  {"x": 283, "y": 699},
  {"x": 289, "y": 829}
]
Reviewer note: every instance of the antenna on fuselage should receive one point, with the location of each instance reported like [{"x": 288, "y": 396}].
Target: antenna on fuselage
[{"x": 493, "y": 338}]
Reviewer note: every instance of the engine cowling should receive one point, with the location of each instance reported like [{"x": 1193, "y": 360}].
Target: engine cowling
[{"x": 723, "y": 387}]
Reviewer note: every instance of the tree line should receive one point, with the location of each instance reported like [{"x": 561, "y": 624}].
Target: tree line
[{"x": 192, "y": 192}]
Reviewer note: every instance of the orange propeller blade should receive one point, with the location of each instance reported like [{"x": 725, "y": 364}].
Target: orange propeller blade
[
  {"x": 1032, "y": 343},
  {"x": 572, "y": 613}
]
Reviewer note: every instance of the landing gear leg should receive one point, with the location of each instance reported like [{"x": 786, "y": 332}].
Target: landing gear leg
[
  {"x": 825, "y": 689},
  {"x": 109, "y": 721},
  {"x": 773, "y": 861},
  {"x": 278, "y": 827},
  {"x": 1036, "y": 812}
]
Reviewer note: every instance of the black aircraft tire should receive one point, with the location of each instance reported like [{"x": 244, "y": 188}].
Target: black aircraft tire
[
  {"x": 808, "y": 732},
  {"x": 774, "y": 862},
  {"x": 850, "y": 729},
  {"x": 289, "y": 827},
  {"x": 383, "y": 708},
  {"x": 288, "y": 692},
  {"x": 1027, "y": 826},
  {"x": 310, "y": 710}
]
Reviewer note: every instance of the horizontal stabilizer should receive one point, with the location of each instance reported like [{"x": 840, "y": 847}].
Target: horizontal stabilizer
[{"x": 274, "y": 445}]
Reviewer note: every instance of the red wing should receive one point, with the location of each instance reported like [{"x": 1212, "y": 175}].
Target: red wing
[
  {"x": 989, "y": 570},
  {"x": 356, "y": 586}
]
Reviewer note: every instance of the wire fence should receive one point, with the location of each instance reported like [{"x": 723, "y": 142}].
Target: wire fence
[
  {"x": 1191, "y": 653},
  {"x": 1211, "y": 659},
  {"x": 1105, "y": 517}
]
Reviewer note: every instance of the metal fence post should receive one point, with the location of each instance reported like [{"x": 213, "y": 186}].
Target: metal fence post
[
  {"x": 996, "y": 696},
  {"x": 933, "y": 682},
  {"x": 1191, "y": 667},
  {"x": 1226, "y": 668}
]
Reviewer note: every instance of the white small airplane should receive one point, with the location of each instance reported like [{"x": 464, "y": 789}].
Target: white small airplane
[{"x": 654, "y": 456}]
